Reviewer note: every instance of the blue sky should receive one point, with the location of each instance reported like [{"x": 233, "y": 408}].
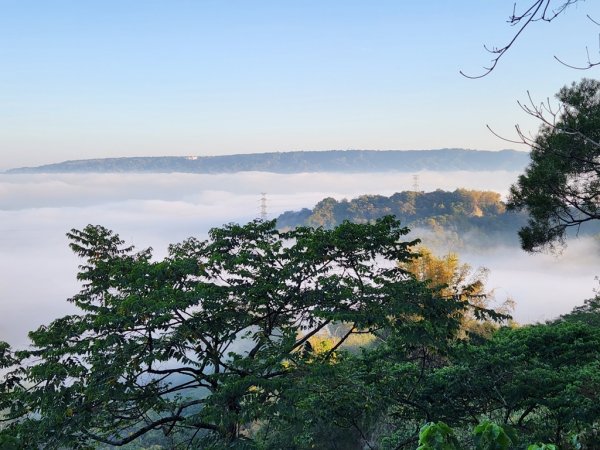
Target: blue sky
[{"x": 88, "y": 79}]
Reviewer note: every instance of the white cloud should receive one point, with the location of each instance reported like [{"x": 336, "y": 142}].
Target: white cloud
[{"x": 37, "y": 270}]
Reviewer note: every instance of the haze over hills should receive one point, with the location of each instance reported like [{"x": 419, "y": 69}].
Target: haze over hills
[{"x": 299, "y": 161}]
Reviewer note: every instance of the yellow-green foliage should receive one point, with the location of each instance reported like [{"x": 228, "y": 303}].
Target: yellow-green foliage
[
  {"x": 451, "y": 278},
  {"x": 322, "y": 343}
]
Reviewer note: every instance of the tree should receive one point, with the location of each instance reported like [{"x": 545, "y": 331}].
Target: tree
[
  {"x": 521, "y": 18},
  {"x": 451, "y": 278},
  {"x": 437, "y": 436},
  {"x": 205, "y": 343},
  {"x": 543, "y": 380},
  {"x": 446, "y": 217},
  {"x": 447, "y": 274},
  {"x": 488, "y": 436},
  {"x": 370, "y": 399},
  {"x": 561, "y": 186},
  {"x": 588, "y": 313}
]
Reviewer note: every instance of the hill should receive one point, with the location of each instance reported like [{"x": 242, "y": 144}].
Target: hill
[
  {"x": 299, "y": 161},
  {"x": 444, "y": 219}
]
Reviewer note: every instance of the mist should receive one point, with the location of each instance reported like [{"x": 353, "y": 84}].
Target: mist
[{"x": 37, "y": 269}]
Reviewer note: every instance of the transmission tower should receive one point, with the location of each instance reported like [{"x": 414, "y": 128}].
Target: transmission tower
[
  {"x": 415, "y": 183},
  {"x": 263, "y": 206}
]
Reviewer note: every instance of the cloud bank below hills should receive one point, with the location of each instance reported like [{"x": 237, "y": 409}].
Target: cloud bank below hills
[
  {"x": 38, "y": 270},
  {"x": 84, "y": 190}
]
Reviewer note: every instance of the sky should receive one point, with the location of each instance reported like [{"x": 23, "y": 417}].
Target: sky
[{"x": 114, "y": 78}]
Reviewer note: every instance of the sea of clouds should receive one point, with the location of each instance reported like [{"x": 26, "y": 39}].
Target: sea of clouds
[{"x": 38, "y": 271}]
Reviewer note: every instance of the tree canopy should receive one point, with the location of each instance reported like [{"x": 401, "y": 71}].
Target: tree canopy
[
  {"x": 451, "y": 278},
  {"x": 205, "y": 343},
  {"x": 542, "y": 380},
  {"x": 461, "y": 218},
  {"x": 560, "y": 188},
  {"x": 223, "y": 344}
]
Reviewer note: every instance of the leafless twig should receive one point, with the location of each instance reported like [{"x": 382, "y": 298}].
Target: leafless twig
[{"x": 538, "y": 10}]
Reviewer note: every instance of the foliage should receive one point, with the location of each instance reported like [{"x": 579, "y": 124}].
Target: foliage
[
  {"x": 542, "y": 379},
  {"x": 480, "y": 215},
  {"x": 446, "y": 273},
  {"x": 588, "y": 313},
  {"x": 312, "y": 338},
  {"x": 437, "y": 436},
  {"x": 451, "y": 278},
  {"x": 490, "y": 436},
  {"x": 560, "y": 187},
  {"x": 209, "y": 342}
]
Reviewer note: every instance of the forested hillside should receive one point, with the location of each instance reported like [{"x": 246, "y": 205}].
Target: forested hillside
[
  {"x": 299, "y": 161},
  {"x": 476, "y": 216},
  {"x": 308, "y": 339}
]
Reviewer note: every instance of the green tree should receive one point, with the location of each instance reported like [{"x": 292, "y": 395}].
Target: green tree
[
  {"x": 543, "y": 380},
  {"x": 446, "y": 273},
  {"x": 203, "y": 344},
  {"x": 447, "y": 215},
  {"x": 561, "y": 185},
  {"x": 437, "y": 436},
  {"x": 451, "y": 278},
  {"x": 490, "y": 436},
  {"x": 588, "y": 313},
  {"x": 370, "y": 399}
]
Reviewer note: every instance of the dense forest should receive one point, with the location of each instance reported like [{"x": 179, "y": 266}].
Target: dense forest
[
  {"x": 457, "y": 219},
  {"x": 300, "y": 161},
  {"x": 342, "y": 338}
]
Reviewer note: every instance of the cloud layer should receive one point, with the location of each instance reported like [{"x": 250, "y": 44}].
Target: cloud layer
[{"x": 37, "y": 270}]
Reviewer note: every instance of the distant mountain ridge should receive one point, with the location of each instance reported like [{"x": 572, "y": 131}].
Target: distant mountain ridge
[{"x": 299, "y": 161}]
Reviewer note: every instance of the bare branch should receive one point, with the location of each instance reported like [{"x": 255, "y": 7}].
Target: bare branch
[
  {"x": 593, "y": 21},
  {"x": 512, "y": 141},
  {"x": 589, "y": 64},
  {"x": 539, "y": 10}
]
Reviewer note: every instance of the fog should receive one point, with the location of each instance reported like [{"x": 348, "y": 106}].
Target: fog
[{"x": 37, "y": 270}]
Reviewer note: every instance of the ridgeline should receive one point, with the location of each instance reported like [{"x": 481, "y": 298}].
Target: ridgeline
[{"x": 299, "y": 161}]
